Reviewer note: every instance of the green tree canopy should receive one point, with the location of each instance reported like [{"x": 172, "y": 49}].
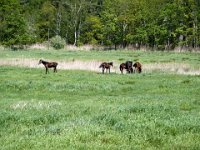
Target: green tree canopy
[{"x": 158, "y": 24}]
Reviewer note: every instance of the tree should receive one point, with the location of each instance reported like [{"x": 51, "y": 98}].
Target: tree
[
  {"x": 13, "y": 28},
  {"x": 92, "y": 31},
  {"x": 46, "y": 26},
  {"x": 157, "y": 24}
]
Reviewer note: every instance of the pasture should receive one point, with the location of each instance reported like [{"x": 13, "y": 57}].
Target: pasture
[{"x": 84, "y": 109}]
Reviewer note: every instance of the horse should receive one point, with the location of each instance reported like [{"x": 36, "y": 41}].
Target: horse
[
  {"x": 138, "y": 67},
  {"x": 122, "y": 67},
  {"x": 48, "y": 65},
  {"x": 129, "y": 67},
  {"x": 106, "y": 65}
]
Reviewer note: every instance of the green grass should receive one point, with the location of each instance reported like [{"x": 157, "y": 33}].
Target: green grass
[
  {"x": 192, "y": 59},
  {"x": 88, "y": 110}
]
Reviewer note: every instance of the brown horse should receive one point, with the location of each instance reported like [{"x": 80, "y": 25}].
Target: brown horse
[
  {"x": 127, "y": 65},
  {"x": 49, "y": 65},
  {"x": 106, "y": 65},
  {"x": 138, "y": 67},
  {"x": 122, "y": 67}
]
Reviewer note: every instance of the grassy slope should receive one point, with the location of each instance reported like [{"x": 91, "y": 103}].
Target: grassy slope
[{"x": 87, "y": 110}]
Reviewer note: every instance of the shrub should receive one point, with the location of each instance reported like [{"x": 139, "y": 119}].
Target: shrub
[{"x": 57, "y": 42}]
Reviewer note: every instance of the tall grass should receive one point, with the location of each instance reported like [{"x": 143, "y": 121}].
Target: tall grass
[
  {"x": 88, "y": 110},
  {"x": 117, "y": 56}
]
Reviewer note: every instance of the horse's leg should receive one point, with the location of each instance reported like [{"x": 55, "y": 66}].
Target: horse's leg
[
  {"x": 128, "y": 70},
  {"x": 46, "y": 70},
  {"x": 131, "y": 70},
  {"x": 140, "y": 70},
  {"x": 121, "y": 70},
  {"x": 55, "y": 69},
  {"x": 103, "y": 70},
  {"x": 136, "y": 69}
]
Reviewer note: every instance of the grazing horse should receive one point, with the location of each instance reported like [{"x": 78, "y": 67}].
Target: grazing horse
[
  {"x": 49, "y": 65},
  {"x": 138, "y": 67},
  {"x": 106, "y": 65},
  {"x": 127, "y": 65},
  {"x": 122, "y": 67}
]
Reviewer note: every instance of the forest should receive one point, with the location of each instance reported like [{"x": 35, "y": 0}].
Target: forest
[{"x": 153, "y": 24}]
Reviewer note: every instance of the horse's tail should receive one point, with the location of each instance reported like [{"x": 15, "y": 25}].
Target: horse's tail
[{"x": 121, "y": 67}]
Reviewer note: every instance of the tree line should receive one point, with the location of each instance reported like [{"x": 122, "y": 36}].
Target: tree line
[{"x": 157, "y": 24}]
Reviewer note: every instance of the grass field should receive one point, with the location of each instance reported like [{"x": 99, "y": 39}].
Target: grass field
[
  {"x": 76, "y": 109},
  {"x": 117, "y": 56}
]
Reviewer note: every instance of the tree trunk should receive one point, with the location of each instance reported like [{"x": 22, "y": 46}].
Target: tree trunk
[{"x": 75, "y": 36}]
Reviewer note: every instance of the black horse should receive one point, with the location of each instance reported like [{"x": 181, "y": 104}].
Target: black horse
[
  {"x": 49, "y": 65},
  {"x": 106, "y": 65},
  {"x": 127, "y": 65}
]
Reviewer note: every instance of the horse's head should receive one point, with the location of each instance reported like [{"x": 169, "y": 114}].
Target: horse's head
[{"x": 40, "y": 61}]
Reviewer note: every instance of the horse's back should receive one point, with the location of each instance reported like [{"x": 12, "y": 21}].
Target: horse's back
[
  {"x": 129, "y": 64},
  {"x": 138, "y": 66},
  {"x": 106, "y": 65},
  {"x": 52, "y": 64}
]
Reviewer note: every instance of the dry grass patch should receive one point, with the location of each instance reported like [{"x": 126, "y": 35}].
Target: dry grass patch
[
  {"x": 179, "y": 68},
  {"x": 35, "y": 105},
  {"x": 93, "y": 65},
  {"x": 39, "y": 46},
  {"x": 32, "y": 63},
  {"x": 79, "y": 65}
]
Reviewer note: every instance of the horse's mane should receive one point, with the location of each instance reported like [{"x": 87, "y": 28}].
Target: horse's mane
[{"x": 43, "y": 62}]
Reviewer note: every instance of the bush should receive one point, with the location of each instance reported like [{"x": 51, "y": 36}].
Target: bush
[{"x": 57, "y": 42}]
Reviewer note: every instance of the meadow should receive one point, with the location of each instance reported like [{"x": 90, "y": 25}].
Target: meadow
[
  {"x": 77, "y": 109},
  {"x": 111, "y": 55}
]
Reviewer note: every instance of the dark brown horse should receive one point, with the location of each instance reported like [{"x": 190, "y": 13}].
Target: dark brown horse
[
  {"x": 122, "y": 67},
  {"x": 127, "y": 65},
  {"x": 138, "y": 67},
  {"x": 106, "y": 65},
  {"x": 49, "y": 65}
]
